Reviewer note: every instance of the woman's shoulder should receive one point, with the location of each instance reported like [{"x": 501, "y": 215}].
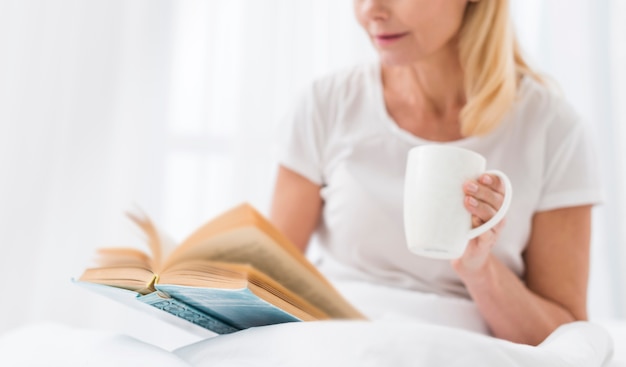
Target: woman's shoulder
[{"x": 540, "y": 103}]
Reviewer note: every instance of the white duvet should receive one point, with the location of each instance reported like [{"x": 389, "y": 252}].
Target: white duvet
[
  {"x": 334, "y": 343},
  {"x": 445, "y": 332}
]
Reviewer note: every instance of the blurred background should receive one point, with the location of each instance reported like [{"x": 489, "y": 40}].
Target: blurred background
[{"x": 173, "y": 106}]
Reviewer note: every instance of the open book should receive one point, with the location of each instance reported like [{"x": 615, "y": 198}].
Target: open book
[{"x": 235, "y": 272}]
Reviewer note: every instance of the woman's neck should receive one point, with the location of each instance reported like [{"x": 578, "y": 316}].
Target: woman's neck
[
  {"x": 434, "y": 85},
  {"x": 426, "y": 98}
]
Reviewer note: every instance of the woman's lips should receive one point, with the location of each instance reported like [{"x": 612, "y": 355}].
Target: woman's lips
[{"x": 388, "y": 39}]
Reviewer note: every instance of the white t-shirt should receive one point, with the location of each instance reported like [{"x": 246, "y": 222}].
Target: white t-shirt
[{"x": 340, "y": 136}]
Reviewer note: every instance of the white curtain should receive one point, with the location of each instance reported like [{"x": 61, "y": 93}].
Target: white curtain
[
  {"x": 580, "y": 44},
  {"x": 172, "y": 106},
  {"x": 83, "y": 113}
]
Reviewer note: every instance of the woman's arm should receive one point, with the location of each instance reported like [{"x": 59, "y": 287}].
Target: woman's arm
[
  {"x": 296, "y": 206},
  {"x": 554, "y": 290}
]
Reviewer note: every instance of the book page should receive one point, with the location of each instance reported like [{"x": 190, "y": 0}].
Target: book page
[
  {"x": 122, "y": 256},
  {"x": 160, "y": 244},
  {"x": 251, "y": 245},
  {"x": 131, "y": 278},
  {"x": 153, "y": 239},
  {"x": 243, "y": 216}
]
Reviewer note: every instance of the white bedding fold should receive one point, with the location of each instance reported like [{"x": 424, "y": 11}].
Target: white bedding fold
[
  {"x": 328, "y": 343},
  {"x": 345, "y": 343},
  {"x": 54, "y": 345}
]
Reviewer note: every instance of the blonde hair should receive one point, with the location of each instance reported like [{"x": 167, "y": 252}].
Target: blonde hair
[{"x": 492, "y": 63}]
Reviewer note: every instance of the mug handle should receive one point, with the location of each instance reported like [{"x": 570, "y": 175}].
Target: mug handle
[{"x": 508, "y": 194}]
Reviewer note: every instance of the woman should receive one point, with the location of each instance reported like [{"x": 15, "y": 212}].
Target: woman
[{"x": 449, "y": 72}]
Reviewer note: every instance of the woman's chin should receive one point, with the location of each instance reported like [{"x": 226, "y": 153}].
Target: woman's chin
[{"x": 395, "y": 59}]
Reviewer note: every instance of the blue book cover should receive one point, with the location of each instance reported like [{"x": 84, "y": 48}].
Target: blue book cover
[
  {"x": 187, "y": 312},
  {"x": 238, "y": 307}
]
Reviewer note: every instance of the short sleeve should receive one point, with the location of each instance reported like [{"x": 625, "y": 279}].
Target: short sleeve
[
  {"x": 571, "y": 177},
  {"x": 301, "y": 138}
]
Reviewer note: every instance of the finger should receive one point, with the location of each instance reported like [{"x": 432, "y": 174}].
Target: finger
[
  {"x": 491, "y": 236},
  {"x": 484, "y": 211},
  {"x": 483, "y": 193},
  {"x": 493, "y": 182},
  {"x": 487, "y": 240},
  {"x": 476, "y": 221}
]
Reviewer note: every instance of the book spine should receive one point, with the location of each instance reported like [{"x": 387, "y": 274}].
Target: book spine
[{"x": 179, "y": 309}]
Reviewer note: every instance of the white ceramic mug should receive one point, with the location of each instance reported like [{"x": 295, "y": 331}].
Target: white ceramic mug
[{"x": 436, "y": 223}]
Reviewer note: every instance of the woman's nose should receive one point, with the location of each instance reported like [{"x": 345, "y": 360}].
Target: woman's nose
[{"x": 373, "y": 9}]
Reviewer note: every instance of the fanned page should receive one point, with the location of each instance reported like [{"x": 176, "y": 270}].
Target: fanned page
[
  {"x": 241, "y": 216},
  {"x": 122, "y": 256},
  {"x": 161, "y": 245},
  {"x": 130, "y": 268},
  {"x": 121, "y": 267},
  {"x": 242, "y": 235},
  {"x": 131, "y": 278}
]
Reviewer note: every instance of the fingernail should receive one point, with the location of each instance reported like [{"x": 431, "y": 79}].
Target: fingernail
[
  {"x": 473, "y": 202},
  {"x": 487, "y": 180},
  {"x": 472, "y": 187}
]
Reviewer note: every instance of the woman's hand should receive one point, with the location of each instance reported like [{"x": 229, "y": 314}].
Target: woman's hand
[{"x": 483, "y": 198}]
